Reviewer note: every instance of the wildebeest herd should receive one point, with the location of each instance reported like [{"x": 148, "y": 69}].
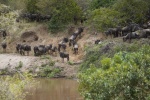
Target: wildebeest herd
[
  {"x": 131, "y": 31},
  {"x": 51, "y": 49}
]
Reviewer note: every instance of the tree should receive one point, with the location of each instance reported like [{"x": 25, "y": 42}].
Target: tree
[
  {"x": 132, "y": 10},
  {"x": 103, "y": 18},
  {"x": 96, "y": 4},
  {"x": 62, "y": 12},
  {"x": 31, "y": 6},
  {"x": 122, "y": 77}
]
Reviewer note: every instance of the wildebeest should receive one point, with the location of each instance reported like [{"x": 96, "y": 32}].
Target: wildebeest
[
  {"x": 98, "y": 41},
  {"x": 130, "y": 28},
  {"x": 27, "y": 48},
  {"x": 4, "y": 34},
  {"x": 72, "y": 39},
  {"x": 62, "y": 45},
  {"x": 22, "y": 48},
  {"x": 34, "y": 17},
  {"x": 39, "y": 50},
  {"x": 18, "y": 47},
  {"x": 144, "y": 33},
  {"x": 65, "y": 39},
  {"x": 75, "y": 48},
  {"x": 54, "y": 50},
  {"x": 79, "y": 31},
  {"x": 64, "y": 55},
  {"x": 4, "y": 46},
  {"x": 48, "y": 48},
  {"x": 113, "y": 32}
]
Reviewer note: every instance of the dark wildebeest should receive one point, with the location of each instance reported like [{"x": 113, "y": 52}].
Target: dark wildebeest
[
  {"x": 4, "y": 34},
  {"x": 75, "y": 48},
  {"x": 54, "y": 50},
  {"x": 130, "y": 28},
  {"x": 72, "y": 39},
  {"x": 79, "y": 31},
  {"x": 27, "y": 48},
  {"x": 39, "y": 50},
  {"x": 4, "y": 46},
  {"x": 98, "y": 41},
  {"x": 144, "y": 33},
  {"x": 62, "y": 45},
  {"x": 22, "y": 48},
  {"x": 48, "y": 48},
  {"x": 64, "y": 55},
  {"x": 18, "y": 48},
  {"x": 113, "y": 32},
  {"x": 36, "y": 51},
  {"x": 65, "y": 40}
]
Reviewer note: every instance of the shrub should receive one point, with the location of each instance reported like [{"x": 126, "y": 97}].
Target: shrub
[{"x": 125, "y": 76}]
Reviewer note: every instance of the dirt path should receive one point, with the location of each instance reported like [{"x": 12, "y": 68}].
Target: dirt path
[{"x": 12, "y": 61}]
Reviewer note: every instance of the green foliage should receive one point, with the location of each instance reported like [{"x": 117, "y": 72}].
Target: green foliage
[
  {"x": 48, "y": 71},
  {"x": 105, "y": 63},
  {"x": 17, "y": 4},
  {"x": 132, "y": 10},
  {"x": 20, "y": 65},
  {"x": 62, "y": 12},
  {"x": 125, "y": 78},
  {"x": 12, "y": 87},
  {"x": 95, "y": 53},
  {"x": 4, "y": 71},
  {"x": 31, "y": 6},
  {"x": 104, "y": 18},
  {"x": 95, "y": 4}
]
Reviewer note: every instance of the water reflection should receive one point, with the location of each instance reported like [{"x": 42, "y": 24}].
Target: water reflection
[{"x": 55, "y": 89}]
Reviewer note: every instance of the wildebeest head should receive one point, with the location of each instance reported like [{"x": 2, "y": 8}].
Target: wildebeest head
[{"x": 65, "y": 40}]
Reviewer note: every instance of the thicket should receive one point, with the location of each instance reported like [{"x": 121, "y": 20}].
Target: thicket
[
  {"x": 100, "y": 14},
  {"x": 13, "y": 87},
  {"x": 108, "y": 49},
  {"x": 123, "y": 76}
]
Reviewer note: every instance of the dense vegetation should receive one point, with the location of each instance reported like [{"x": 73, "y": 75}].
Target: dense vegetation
[
  {"x": 100, "y": 14},
  {"x": 110, "y": 71},
  {"x": 13, "y": 87},
  {"x": 122, "y": 76}
]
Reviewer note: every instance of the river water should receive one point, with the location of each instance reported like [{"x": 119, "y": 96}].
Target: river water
[{"x": 54, "y": 89}]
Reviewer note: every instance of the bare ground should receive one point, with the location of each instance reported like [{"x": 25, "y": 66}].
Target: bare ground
[{"x": 12, "y": 59}]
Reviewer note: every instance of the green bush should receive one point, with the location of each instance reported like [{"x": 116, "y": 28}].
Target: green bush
[
  {"x": 12, "y": 87},
  {"x": 125, "y": 76},
  {"x": 103, "y": 18}
]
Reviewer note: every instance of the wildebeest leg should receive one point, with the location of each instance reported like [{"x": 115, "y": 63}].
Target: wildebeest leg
[
  {"x": 75, "y": 51},
  {"x": 68, "y": 57},
  {"x": 59, "y": 46}
]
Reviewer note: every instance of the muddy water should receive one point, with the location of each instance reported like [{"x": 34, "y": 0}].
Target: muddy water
[{"x": 54, "y": 89}]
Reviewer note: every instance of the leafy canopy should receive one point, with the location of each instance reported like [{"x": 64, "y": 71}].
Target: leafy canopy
[{"x": 122, "y": 77}]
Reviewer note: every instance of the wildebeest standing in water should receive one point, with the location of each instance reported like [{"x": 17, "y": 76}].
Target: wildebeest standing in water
[{"x": 64, "y": 55}]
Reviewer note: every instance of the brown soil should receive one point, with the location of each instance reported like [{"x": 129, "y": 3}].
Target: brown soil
[{"x": 44, "y": 37}]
